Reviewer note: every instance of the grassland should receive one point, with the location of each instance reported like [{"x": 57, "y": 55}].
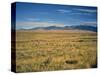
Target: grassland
[{"x": 55, "y": 50}]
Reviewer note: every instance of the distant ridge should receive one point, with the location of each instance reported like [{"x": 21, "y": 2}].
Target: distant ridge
[
  {"x": 83, "y": 27},
  {"x": 49, "y": 28},
  {"x": 78, "y": 27}
]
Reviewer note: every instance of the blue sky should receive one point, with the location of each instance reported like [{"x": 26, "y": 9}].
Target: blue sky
[{"x": 31, "y": 15}]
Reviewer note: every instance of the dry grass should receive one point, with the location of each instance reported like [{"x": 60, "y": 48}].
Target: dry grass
[{"x": 55, "y": 50}]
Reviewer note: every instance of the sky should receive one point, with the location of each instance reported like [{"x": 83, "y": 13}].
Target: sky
[{"x": 32, "y": 15}]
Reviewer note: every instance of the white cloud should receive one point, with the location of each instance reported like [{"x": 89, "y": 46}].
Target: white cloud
[
  {"x": 51, "y": 21},
  {"x": 63, "y": 11},
  {"x": 87, "y": 10},
  {"x": 33, "y": 19},
  {"x": 28, "y": 25}
]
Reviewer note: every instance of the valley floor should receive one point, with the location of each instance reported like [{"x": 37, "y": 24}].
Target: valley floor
[{"x": 55, "y": 50}]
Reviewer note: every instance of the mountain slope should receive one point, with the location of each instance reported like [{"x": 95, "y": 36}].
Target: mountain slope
[
  {"x": 78, "y": 27},
  {"x": 83, "y": 27}
]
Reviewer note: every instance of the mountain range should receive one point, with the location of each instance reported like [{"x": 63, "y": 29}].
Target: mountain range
[{"x": 78, "y": 27}]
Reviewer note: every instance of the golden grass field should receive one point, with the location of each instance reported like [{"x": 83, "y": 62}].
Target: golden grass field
[{"x": 48, "y": 50}]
